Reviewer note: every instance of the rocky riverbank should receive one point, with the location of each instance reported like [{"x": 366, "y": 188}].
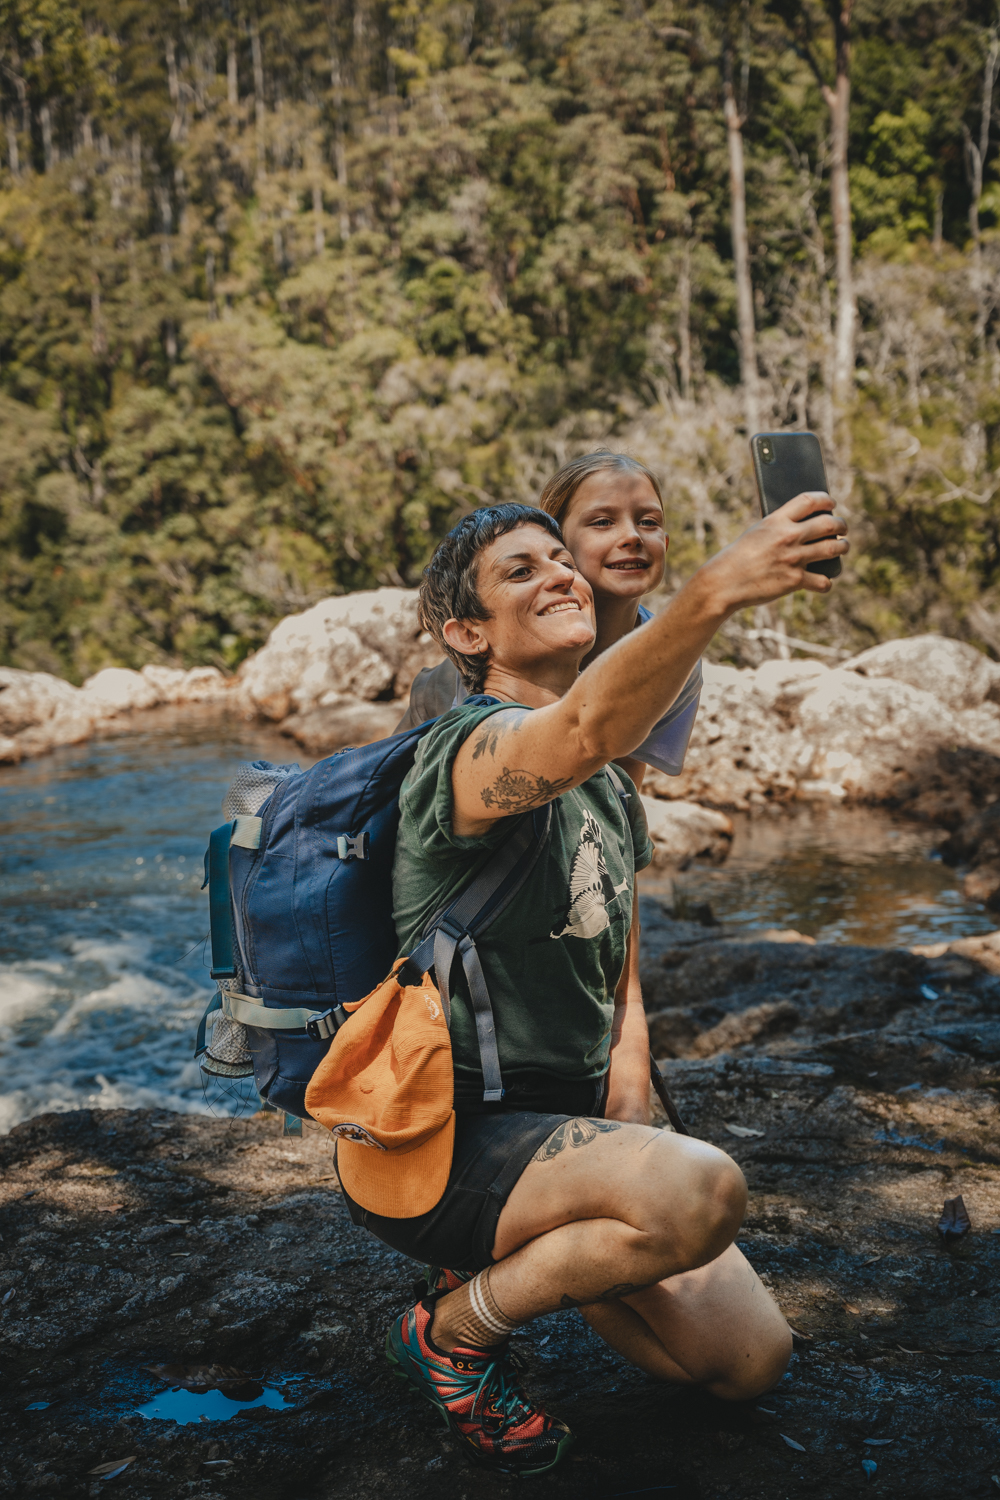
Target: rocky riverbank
[
  {"x": 857, "y": 1087},
  {"x": 913, "y": 724}
]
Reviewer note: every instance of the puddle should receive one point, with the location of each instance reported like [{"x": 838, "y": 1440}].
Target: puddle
[
  {"x": 181, "y": 1406},
  {"x": 38, "y": 1406}
]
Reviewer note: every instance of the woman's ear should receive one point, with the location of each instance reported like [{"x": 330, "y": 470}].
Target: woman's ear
[{"x": 464, "y": 637}]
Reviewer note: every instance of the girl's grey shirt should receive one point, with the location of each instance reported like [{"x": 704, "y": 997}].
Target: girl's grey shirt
[{"x": 437, "y": 689}]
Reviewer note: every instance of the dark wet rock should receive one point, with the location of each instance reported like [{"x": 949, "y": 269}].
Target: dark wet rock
[
  {"x": 976, "y": 844},
  {"x": 878, "y": 1105}
]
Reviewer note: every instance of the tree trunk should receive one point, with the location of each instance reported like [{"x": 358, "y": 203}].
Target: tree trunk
[
  {"x": 12, "y": 152},
  {"x": 319, "y": 237},
  {"x": 340, "y": 148},
  {"x": 684, "y": 321},
  {"x": 838, "y": 101},
  {"x": 45, "y": 121},
  {"x": 232, "y": 75},
  {"x": 258, "y": 95},
  {"x": 741, "y": 253},
  {"x": 975, "y": 151}
]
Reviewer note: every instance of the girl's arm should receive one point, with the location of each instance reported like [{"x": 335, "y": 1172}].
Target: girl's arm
[{"x": 627, "y": 1096}]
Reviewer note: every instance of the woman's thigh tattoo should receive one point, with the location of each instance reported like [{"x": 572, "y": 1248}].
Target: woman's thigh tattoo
[{"x": 572, "y": 1133}]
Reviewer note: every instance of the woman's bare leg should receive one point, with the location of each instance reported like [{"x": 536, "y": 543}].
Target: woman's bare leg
[
  {"x": 607, "y": 1211},
  {"x": 717, "y": 1327}
]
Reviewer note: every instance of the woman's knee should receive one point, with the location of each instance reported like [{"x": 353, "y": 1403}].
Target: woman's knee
[
  {"x": 757, "y": 1372},
  {"x": 711, "y": 1191}
]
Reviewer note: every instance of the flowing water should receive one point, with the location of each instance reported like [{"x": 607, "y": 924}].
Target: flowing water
[{"x": 103, "y": 925}]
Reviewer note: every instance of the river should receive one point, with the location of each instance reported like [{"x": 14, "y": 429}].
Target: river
[{"x": 103, "y": 924}]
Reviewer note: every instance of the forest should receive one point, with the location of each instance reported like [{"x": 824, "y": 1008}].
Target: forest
[{"x": 285, "y": 289}]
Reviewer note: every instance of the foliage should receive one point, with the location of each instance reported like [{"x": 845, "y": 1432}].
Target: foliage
[{"x": 285, "y": 289}]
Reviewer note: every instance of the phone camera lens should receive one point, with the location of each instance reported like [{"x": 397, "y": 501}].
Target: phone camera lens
[{"x": 767, "y": 453}]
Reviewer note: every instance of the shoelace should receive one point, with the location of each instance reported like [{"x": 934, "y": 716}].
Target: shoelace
[{"x": 499, "y": 1385}]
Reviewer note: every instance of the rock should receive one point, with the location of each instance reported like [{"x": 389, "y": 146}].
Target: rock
[
  {"x": 364, "y": 645},
  {"x": 683, "y": 831},
  {"x": 142, "y": 1249},
  {"x": 28, "y": 699},
  {"x": 10, "y": 751},
  {"x": 202, "y": 684},
  {"x": 174, "y": 685},
  {"x": 769, "y": 1019},
  {"x": 984, "y": 950},
  {"x": 802, "y": 730},
  {"x": 39, "y": 712},
  {"x": 957, "y": 674},
  {"x": 873, "y": 737},
  {"x": 350, "y": 722},
  {"x": 741, "y": 750},
  {"x": 976, "y": 843},
  {"x": 165, "y": 681},
  {"x": 119, "y": 690}
]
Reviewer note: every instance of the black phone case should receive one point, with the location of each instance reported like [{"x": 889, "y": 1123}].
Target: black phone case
[{"x": 798, "y": 466}]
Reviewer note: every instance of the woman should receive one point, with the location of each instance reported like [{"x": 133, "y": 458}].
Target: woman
[
  {"x": 610, "y": 510},
  {"x": 562, "y": 1195}
]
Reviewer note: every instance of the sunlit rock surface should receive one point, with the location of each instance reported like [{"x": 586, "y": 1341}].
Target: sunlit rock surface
[
  {"x": 364, "y": 646},
  {"x": 683, "y": 831}
]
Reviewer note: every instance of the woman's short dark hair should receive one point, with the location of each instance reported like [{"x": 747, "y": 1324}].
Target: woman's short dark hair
[{"x": 450, "y": 586}]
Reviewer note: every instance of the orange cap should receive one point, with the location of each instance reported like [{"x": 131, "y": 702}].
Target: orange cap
[{"x": 386, "y": 1090}]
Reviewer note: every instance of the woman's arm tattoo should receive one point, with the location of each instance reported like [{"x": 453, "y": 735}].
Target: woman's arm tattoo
[
  {"x": 576, "y": 1132},
  {"x": 493, "y": 730},
  {"x": 517, "y": 791}
]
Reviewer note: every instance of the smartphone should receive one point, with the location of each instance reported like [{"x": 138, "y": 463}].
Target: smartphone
[{"x": 785, "y": 464}]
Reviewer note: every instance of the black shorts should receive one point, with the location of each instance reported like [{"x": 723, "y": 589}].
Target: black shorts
[{"x": 491, "y": 1151}]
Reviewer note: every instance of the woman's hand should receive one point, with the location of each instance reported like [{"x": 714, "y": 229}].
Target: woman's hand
[{"x": 772, "y": 556}]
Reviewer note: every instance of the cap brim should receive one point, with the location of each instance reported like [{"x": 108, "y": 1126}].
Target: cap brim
[{"x": 398, "y": 1184}]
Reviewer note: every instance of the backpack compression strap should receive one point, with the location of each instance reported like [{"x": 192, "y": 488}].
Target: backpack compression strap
[
  {"x": 245, "y": 832},
  {"x": 456, "y": 929}
]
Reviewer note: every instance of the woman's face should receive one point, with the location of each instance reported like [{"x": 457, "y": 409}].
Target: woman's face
[
  {"x": 614, "y": 528},
  {"x": 541, "y": 609}
]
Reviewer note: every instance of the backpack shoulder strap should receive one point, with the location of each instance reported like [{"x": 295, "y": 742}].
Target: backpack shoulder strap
[
  {"x": 454, "y": 931},
  {"x": 624, "y": 796}
]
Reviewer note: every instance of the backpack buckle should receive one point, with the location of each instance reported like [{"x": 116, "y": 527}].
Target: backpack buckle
[
  {"x": 326, "y": 1024},
  {"x": 349, "y": 847}
]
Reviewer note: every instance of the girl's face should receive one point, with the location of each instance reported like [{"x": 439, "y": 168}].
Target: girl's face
[{"x": 614, "y": 528}]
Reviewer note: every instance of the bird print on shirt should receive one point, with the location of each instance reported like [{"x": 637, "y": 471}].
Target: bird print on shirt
[{"x": 590, "y": 886}]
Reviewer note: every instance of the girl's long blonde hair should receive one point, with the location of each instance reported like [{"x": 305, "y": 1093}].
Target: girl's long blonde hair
[{"x": 560, "y": 489}]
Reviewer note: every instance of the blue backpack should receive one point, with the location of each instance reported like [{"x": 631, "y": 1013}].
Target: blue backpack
[{"x": 300, "y": 903}]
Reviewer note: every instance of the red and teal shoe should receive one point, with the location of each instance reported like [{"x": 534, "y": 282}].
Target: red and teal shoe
[
  {"x": 441, "y": 1280},
  {"x": 478, "y": 1395}
]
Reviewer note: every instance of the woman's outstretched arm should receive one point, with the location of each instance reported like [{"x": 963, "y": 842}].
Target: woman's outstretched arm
[{"x": 520, "y": 759}]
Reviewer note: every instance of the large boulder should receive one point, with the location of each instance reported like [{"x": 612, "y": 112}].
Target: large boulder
[
  {"x": 802, "y": 730},
  {"x": 174, "y": 685},
  {"x": 119, "y": 690},
  {"x": 743, "y": 749},
  {"x": 39, "y": 712},
  {"x": 350, "y": 722},
  {"x": 368, "y": 646},
  {"x": 682, "y": 831},
  {"x": 957, "y": 674},
  {"x": 873, "y": 737}
]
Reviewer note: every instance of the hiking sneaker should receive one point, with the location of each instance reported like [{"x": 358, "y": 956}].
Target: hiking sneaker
[
  {"x": 478, "y": 1395},
  {"x": 441, "y": 1280}
]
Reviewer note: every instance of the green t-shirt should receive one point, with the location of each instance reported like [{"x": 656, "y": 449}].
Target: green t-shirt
[{"x": 553, "y": 958}]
